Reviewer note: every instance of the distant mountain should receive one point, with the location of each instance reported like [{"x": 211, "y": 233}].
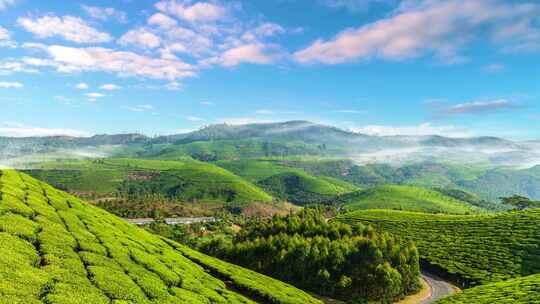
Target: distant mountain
[{"x": 291, "y": 138}]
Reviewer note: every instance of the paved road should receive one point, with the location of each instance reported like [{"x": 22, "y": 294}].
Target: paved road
[{"x": 439, "y": 288}]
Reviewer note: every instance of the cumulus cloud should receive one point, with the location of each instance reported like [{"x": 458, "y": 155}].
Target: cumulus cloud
[
  {"x": 477, "y": 107},
  {"x": 123, "y": 63},
  {"x": 419, "y": 27},
  {"x": 68, "y": 27},
  {"x": 11, "y": 85},
  {"x": 162, "y": 21},
  {"x": 247, "y": 53},
  {"x": 140, "y": 37},
  {"x": 105, "y": 13},
  {"x": 14, "y": 129},
  {"x": 82, "y": 86},
  {"x": 110, "y": 87},
  {"x": 192, "y": 12},
  {"x": 422, "y": 129}
]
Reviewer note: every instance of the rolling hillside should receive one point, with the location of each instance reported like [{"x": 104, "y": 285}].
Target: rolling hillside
[
  {"x": 478, "y": 248},
  {"x": 57, "y": 249},
  {"x": 301, "y": 188},
  {"x": 405, "y": 198},
  {"x": 525, "y": 290},
  {"x": 183, "y": 179}
]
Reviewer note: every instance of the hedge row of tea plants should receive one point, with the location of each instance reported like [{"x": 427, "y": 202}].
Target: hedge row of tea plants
[
  {"x": 478, "y": 248},
  {"x": 56, "y": 249}
]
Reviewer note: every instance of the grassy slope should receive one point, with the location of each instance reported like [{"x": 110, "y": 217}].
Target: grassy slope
[
  {"x": 57, "y": 249},
  {"x": 255, "y": 169},
  {"x": 302, "y": 188},
  {"x": 405, "y": 198},
  {"x": 105, "y": 175},
  {"x": 525, "y": 290},
  {"x": 480, "y": 248}
]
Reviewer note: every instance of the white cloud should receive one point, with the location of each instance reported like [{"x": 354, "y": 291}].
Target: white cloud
[
  {"x": 13, "y": 129},
  {"x": 11, "y": 85},
  {"x": 140, "y": 37},
  {"x": 195, "y": 118},
  {"x": 353, "y": 5},
  {"x": 5, "y": 3},
  {"x": 494, "y": 68},
  {"x": 82, "y": 86},
  {"x": 423, "y": 27},
  {"x": 197, "y": 12},
  {"x": 124, "y": 63},
  {"x": 140, "y": 108},
  {"x": 5, "y": 38},
  {"x": 110, "y": 87},
  {"x": 243, "y": 120},
  {"x": 247, "y": 53},
  {"x": 68, "y": 27},
  {"x": 162, "y": 21},
  {"x": 94, "y": 95},
  {"x": 104, "y": 13},
  {"x": 416, "y": 130},
  {"x": 477, "y": 107}
]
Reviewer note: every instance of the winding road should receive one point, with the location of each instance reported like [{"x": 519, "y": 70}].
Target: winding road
[{"x": 439, "y": 288}]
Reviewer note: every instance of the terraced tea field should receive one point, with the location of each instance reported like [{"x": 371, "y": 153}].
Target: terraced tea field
[
  {"x": 58, "y": 249},
  {"x": 479, "y": 248},
  {"x": 525, "y": 290}
]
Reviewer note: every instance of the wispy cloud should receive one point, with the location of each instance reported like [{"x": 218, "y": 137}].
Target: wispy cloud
[
  {"x": 110, "y": 87},
  {"x": 350, "y": 111},
  {"x": 207, "y": 103},
  {"x": 81, "y": 86},
  {"x": 140, "y": 108},
  {"x": 11, "y": 85},
  {"x": 105, "y": 13},
  {"x": 493, "y": 68},
  {"x": 477, "y": 107},
  {"x": 70, "y": 28},
  {"x": 14, "y": 129},
  {"x": 5, "y": 3},
  {"x": 353, "y": 5},
  {"x": 5, "y": 38},
  {"x": 422, "y": 129},
  {"x": 94, "y": 95}
]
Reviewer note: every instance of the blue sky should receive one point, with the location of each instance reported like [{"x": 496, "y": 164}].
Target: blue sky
[{"x": 449, "y": 67}]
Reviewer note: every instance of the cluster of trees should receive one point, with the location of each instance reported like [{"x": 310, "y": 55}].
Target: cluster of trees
[
  {"x": 328, "y": 258},
  {"x": 520, "y": 202}
]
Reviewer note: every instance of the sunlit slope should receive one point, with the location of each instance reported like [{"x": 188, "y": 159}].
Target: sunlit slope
[
  {"x": 302, "y": 188},
  {"x": 57, "y": 249},
  {"x": 184, "y": 179},
  {"x": 525, "y": 290},
  {"x": 479, "y": 248},
  {"x": 405, "y": 198}
]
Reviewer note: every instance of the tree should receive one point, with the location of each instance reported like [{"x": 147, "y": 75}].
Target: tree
[{"x": 520, "y": 202}]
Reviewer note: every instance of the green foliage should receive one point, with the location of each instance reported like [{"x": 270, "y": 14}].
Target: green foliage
[
  {"x": 524, "y": 290},
  {"x": 331, "y": 259},
  {"x": 301, "y": 188},
  {"x": 478, "y": 248},
  {"x": 57, "y": 249},
  {"x": 520, "y": 202},
  {"x": 406, "y": 198}
]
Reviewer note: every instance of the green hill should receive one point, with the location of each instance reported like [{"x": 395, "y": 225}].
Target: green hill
[
  {"x": 301, "y": 188},
  {"x": 478, "y": 248},
  {"x": 525, "y": 290},
  {"x": 57, "y": 249},
  {"x": 405, "y": 198},
  {"x": 183, "y": 179}
]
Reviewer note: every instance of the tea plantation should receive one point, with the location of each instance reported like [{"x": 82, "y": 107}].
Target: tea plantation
[
  {"x": 478, "y": 248},
  {"x": 405, "y": 198},
  {"x": 57, "y": 249},
  {"x": 525, "y": 290}
]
